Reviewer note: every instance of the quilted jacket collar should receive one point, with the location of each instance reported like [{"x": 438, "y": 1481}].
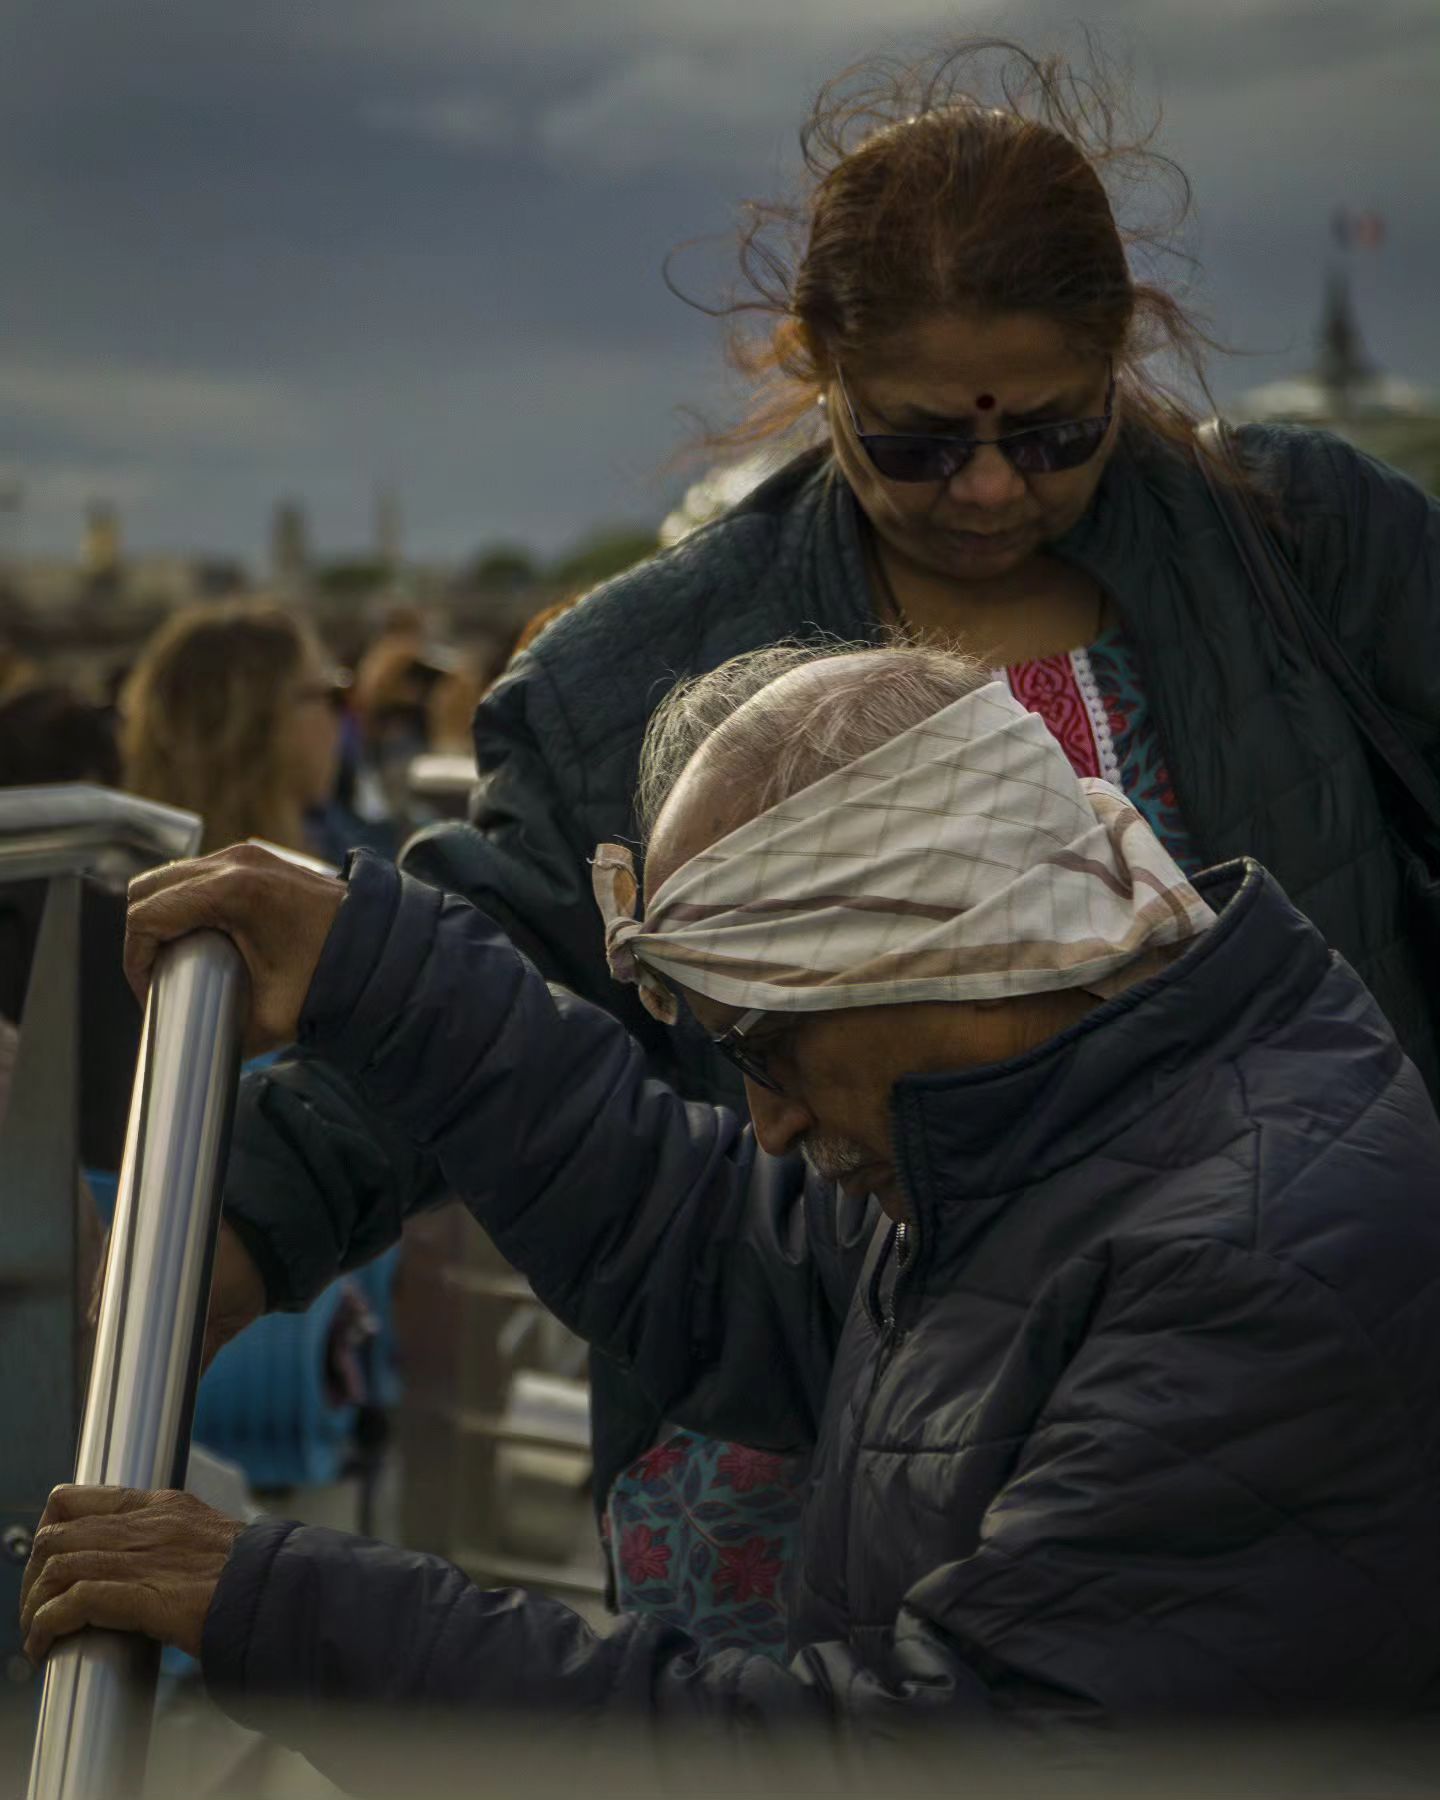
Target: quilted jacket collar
[
  {"x": 1147, "y": 498},
  {"x": 986, "y": 1133}
]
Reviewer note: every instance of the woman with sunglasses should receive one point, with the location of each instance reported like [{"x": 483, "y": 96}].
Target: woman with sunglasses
[{"x": 956, "y": 314}]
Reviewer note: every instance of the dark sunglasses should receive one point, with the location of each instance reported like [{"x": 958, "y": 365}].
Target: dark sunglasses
[
  {"x": 748, "y": 1059},
  {"x": 928, "y": 456}
]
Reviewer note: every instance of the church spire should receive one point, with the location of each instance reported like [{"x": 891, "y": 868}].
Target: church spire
[{"x": 1342, "y": 365}]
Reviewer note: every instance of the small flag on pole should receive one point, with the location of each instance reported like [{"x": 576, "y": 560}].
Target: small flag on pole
[{"x": 1357, "y": 230}]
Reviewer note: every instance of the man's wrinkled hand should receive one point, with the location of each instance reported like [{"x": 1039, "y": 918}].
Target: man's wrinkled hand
[
  {"x": 122, "y": 1560},
  {"x": 277, "y": 915}
]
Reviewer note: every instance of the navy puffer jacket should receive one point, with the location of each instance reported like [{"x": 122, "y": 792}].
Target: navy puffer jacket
[
  {"x": 1141, "y": 1422},
  {"x": 1264, "y": 760}
]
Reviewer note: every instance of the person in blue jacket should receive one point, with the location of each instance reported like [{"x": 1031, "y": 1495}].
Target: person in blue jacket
[{"x": 1084, "y": 1231}]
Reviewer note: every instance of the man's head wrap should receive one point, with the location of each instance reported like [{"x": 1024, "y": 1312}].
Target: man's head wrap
[{"x": 962, "y": 860}]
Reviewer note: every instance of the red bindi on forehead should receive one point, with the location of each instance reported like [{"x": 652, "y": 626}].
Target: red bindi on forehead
[{"x": 984, "y": 402}]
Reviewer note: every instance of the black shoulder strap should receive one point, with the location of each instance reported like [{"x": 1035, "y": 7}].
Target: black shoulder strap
[{"x": 1295, "y": 618}]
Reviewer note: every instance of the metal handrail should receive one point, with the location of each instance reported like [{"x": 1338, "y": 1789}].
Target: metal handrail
[
  {"x": 95, "y": 1714},
  {"x": 73, "y": 828},
  {"x": 56, "y": 839}
]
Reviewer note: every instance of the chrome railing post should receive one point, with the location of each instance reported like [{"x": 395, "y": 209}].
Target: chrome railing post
[
  {"x": 58, "y": 840},
  {"x": 95, "y": 1712}
]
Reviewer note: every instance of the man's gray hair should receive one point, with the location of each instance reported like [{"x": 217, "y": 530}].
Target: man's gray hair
[{"x": 825, "y": 726}]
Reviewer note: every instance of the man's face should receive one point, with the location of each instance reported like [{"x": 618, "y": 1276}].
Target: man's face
[{"x": 835, "y": 1073}]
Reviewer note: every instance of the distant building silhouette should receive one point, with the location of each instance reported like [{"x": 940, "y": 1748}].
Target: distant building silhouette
[
  {"x": 389, "y": 552},
  {"x": 289, "y": 547},
  {"x": 719, "y": 489},
  {"x": 100, "y": 549},
  {"x": 1347, "y": 392},
  {"x": 12, "y": 503}
]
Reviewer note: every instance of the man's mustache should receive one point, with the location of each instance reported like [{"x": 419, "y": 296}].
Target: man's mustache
[{"x": 832, "y": 1158}]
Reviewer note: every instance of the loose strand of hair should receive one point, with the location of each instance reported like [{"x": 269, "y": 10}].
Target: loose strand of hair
[{"x": 1149, "y": 194}]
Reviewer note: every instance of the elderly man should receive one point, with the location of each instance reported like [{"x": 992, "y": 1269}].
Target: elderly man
[{"x": 1125, "y": 1407}]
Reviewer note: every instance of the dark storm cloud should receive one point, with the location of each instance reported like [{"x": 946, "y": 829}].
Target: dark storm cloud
[{"x": 280, "y": 248}]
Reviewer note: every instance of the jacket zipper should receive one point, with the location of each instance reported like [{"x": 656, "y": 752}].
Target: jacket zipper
[
  {"x": 903, "y": 1246},
  {"x": 890, "y": 1334},
  {"x": 900, "y": 1250}
]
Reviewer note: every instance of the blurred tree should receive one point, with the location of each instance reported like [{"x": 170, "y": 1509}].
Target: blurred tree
[
  {"x": 351, "y": 575},
  {"x": 218, "y": 577},
  {"x": 505, "y": 567},
  {"x": 1426, "y": 469},
  {"x": 608, "y": 551}
]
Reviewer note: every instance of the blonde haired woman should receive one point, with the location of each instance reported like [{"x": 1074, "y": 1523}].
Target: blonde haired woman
[{"x": 231, "y": 713}]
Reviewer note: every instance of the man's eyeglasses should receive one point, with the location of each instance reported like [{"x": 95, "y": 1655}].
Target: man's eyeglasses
[
  {"x": 748, "y": 1059},
  {"x": 928, "y": 456}
]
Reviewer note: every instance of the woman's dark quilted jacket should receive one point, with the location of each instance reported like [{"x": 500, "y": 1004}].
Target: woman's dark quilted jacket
[
  {"x": 1142, "y": 1423},
  {"x": 1264, "y": 760}
]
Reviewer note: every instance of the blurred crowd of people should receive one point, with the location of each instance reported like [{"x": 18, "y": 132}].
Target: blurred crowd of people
[{"x": 237, "y": 711}]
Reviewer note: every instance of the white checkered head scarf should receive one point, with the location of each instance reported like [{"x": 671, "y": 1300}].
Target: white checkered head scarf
[{"x": 962, "y": 860}]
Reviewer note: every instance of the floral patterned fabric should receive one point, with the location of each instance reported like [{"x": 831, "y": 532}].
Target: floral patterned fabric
[
  {"x": 701, "y": 1533},
  {"x": 1094, "y": 703},
  {"x": 1143, "y": 775}
]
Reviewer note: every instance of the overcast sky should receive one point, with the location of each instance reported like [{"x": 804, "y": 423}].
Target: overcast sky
[{"x": 267, "y": 247}]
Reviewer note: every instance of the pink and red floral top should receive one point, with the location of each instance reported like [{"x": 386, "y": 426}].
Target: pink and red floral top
[
  {"x": 700, "y": 1533},
  {"x": 1093, "y": 702}
]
